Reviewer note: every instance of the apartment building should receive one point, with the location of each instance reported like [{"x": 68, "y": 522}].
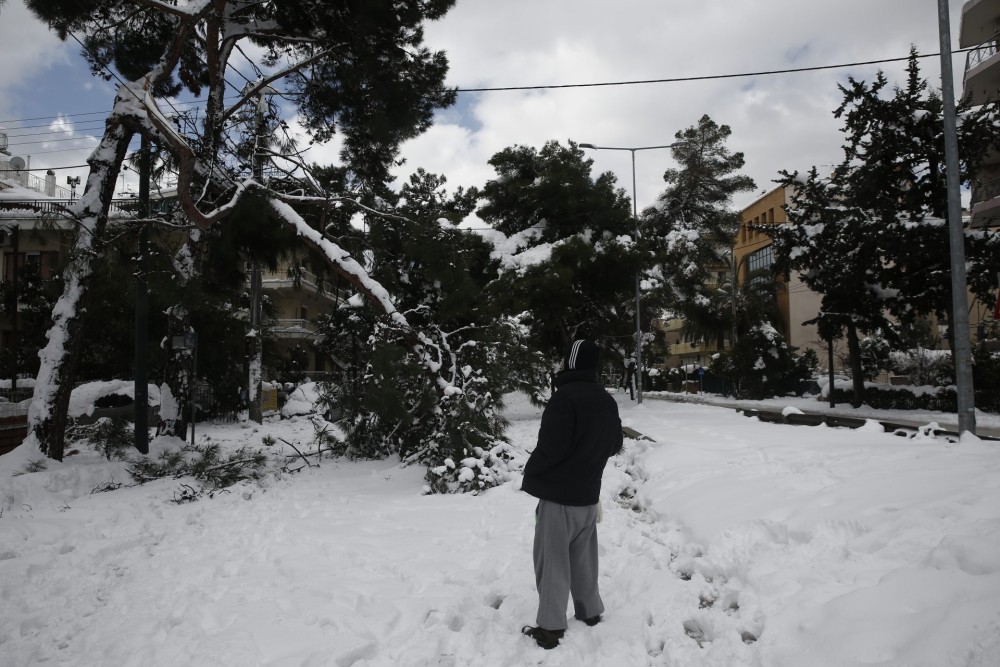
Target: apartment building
[
  {"x": 753, "y": 252},
  {"x": 980, "y": 31},
  {"x": 31, "y": 233}
]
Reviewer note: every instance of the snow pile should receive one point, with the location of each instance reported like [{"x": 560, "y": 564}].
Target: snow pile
[
  {"x": 302, "y": 400},
  {"x": 726, "y": 542},
  {"x": 82, "y": 400}
]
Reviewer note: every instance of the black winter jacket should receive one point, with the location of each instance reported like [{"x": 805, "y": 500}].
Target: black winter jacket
[{"x": 580, "y": 430}]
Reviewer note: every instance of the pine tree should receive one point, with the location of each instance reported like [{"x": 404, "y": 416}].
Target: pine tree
[
  {"x": 693, "y": 223},
  {"x": 872, "y": 239},
  {"x": 573, "y": 272},
  {"x": 359, "y": 70},
  {"x": 835, "y": 250},
  {"x": 436, "y": 273}
]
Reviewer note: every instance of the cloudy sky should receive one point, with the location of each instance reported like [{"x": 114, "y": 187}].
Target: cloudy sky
[{"x": 781, "y": 121}]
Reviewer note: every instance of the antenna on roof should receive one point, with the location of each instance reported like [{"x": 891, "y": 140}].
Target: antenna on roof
[
  {"x": 17, "y": 163},
  {"x": 3, "y": 143}
]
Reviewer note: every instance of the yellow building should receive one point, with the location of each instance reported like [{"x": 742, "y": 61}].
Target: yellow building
[{"x": 753, "y": 252}]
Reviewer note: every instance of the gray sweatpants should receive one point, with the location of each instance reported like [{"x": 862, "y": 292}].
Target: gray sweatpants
[{"x": 565, "y": 556}]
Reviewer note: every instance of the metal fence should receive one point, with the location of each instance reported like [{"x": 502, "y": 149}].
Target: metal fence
[
  {"x": 984, "y": 52},
  {"x": 58, "y": 206},
  {"x": 31, "y": 182}
]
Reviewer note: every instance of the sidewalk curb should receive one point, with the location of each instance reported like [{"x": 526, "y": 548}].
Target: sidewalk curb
[{"x": 891, "y": 425}]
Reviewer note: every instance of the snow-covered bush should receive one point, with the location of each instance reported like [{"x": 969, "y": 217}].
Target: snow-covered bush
[
  {"x": 762, "y": 365},
  {"x": 206, "y": 463},
  {"x": 109, "y": 435},
  {"x": 451, "y": 421},
  {"x": 941, "y": 399},
  {"x": 875, "y": 355},
  {"x": 923, "y": 366},
  {"x": 986, "y": 379}
]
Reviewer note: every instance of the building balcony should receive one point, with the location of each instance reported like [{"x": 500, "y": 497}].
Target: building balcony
[
  {"x": 982, "y": 72},
  {"x": 985, "y": 205},
  {"x": 280, "y": 280},
  {"x": 294, "y": 329},
  {"x": 979, "y": 22},
  {"x": 695, "y": 347}
]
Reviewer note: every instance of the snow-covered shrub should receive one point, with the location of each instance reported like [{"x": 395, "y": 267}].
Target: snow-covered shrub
[
  {"x": 111, "y": 436},
  {"x": 450, "y": 420},
  {"x": 203, "y": 462},
  {"x": 941, "y": 399},
  {"x": 875, "y": 355},
  {"x": 923, "y": 366},
  {"x": 762, "y": 365},
  {"x": 986, "y": 379}
]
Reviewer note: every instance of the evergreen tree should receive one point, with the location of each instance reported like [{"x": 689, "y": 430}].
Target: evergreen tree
[
  {"x": 872, "y": 239},
  {"x": 730, "y": 310},
  {"x": 572, "y": 273},
  {"x": 833, "y": 249},
  {"x": 359, "y": 70},
  {"x": 762, "y": 364},
  {"x": 693, "y": 223},
  {"x": 436, "y": 273},
  {"x": 894, "y": 168}
]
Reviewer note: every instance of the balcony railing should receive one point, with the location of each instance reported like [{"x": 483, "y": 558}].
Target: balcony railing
[
  {"x": 56, "y": 206},
  {"x": 985, "y": 191},
  {"x": 31, "y": 182},
  {"x": 294, "y": 328},
  {"x": 984, "y": 52}
]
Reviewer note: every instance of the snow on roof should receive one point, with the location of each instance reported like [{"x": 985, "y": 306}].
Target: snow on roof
[{"x": 16, "y": 192}]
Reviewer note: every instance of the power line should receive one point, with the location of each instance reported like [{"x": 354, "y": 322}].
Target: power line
[
  {"x": 637, "y": 82},
  {"x": 707, "y": 77},
  {"x": 84, "y": 127}
]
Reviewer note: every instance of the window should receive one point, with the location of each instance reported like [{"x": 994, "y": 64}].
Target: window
[
  {"x": 45, "y": 262},
  {"x": 303, "y": 313},
  {"x": 761, "y": 259}
]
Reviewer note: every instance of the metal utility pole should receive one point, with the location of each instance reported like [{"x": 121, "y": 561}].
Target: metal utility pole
[
  {"x": 638, "y": 271},
  {"x": 956, "y": 236},
  {"x": 15, "y": 297}
]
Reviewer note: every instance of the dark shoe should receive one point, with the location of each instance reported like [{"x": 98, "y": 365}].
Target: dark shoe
[
  {"x": 545, "y": 638},
  {"x": 592, "y": 621}
]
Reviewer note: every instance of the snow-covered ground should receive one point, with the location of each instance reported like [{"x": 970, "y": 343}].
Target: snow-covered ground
[{"x": 725, "y": 541}]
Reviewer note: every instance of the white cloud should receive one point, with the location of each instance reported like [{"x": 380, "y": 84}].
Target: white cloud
[
  {"x": 62, "y": 125},
  {"x": 29, "y": 48},
  {"x": 778, "y": 122}
]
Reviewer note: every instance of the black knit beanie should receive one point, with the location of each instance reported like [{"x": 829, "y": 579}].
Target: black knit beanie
[{"x": 582, "y": 355}]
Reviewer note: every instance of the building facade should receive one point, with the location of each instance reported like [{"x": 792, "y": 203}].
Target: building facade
[
  {"x": 980, "y": 31},
  {"x": 753, "y": 251},
  {"x": 33, "y": 235}
]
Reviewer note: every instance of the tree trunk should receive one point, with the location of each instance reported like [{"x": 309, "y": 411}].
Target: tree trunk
[
  {"x": 857, "y": 372},
  {"x": 178, "y": 375},
  {"x": 187, "y": 267},
  {"x": 57, "y": 370}
]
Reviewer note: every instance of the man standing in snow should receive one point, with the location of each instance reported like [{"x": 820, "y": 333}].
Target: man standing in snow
[{"x": 580, "y": 430}]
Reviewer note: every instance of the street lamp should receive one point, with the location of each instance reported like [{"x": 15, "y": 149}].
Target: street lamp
[{"x": 635, "y": 214}]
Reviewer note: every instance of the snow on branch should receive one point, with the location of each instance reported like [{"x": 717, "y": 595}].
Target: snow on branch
[
  {"x": 182, "y": 8},
  {"x": 341, "y": 261}
]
